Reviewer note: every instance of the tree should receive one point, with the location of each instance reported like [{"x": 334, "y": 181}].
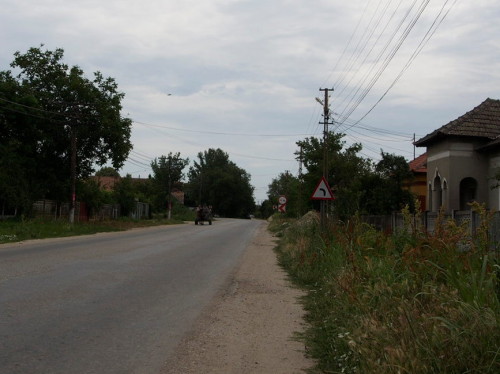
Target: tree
[
  {"x": 393, "y": 172},
  {"x": 345, "y": 171},
  {"x": 167, "y": 172},
  {"x": 288, "y": 185},
  {"x": 19, "y": 156},
  {"x": 63, "y": 120},
  {"x": 94, "y": 197},
  {"x": 125, "y": 195},
  {"x": 108, "y": 172},
  {"x": 215, "y": 180},
  {"x": 265, "y": 210}
]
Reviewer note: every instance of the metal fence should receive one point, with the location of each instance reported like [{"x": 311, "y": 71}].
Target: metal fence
[
  {"x": 50, "y": 209},
  {"x": 429, "y": 220},
  {"x": 141, "y": 210}
]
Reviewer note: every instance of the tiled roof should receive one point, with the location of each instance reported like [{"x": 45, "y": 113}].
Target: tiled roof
[
  {"x": 419, "y": 165},
  {"x": 494, "y": 144},
  {"x": 483, "y": 121},
  {"x": 106, "y": 183}
]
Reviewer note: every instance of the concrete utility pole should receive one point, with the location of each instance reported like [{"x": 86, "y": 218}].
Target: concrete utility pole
[
  {"x": 301, "y": 156},
  {"x": 326, "y": 122},
  {"x": 169, "y": 194},
  {"x": 72, "y": 206}
]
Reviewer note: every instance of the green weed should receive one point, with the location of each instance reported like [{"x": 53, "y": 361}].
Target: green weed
[{"x": 411, "y": 302}]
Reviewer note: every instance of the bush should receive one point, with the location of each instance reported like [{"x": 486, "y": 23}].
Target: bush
[{"x": 406, "y": 303}]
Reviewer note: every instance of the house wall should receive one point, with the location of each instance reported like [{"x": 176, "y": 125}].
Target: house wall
[
  {"x": 494, "y": 191},
  {"x": 418, "y": 187},
  {"x": 437, "y": 166},
  {"x": 452, "y": 161}
]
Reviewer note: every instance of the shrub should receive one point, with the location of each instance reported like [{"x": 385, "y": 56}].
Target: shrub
[{"x": 412, "y": 302}]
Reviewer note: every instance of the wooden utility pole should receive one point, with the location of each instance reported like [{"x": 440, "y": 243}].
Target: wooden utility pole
[{"x": 326, "y": 122}]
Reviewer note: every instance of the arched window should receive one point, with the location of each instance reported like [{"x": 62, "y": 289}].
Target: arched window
[
  {"x": 437, "y": 194},
  {"x": 429, "y": 197},
  {"x": 468, "y": 191},
  {"x": 444, "y": 194}
]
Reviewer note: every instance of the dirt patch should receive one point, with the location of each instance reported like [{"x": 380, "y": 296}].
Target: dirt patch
[{"x": 249, "y": 327}]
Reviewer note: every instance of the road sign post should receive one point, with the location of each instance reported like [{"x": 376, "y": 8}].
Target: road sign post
[
  {"x": 323, "y": 193},
  {"x": 282, "y": 204}
]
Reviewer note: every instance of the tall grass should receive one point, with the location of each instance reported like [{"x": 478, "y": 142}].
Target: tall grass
[
  {"x": 14, "y": 230},
  {"x": 410, "y": 302}
]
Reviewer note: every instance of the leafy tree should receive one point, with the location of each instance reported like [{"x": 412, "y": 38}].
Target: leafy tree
[
  {"x": 266, "y": 209},
  {"x": 91, "y": 194},
  {"x": 108, "y": 171},
  {"x": 49, "y": 107},
  {"x": 393, "y": 171},
  {"x": 125, "y": 195},
  {"x": 215, "y": 180},
  {"x": 345, "y": 171},
  {"x": 167, "y": 172},
  {"x": 288, "y": 185},
  {"x": 19, "y": 155}
]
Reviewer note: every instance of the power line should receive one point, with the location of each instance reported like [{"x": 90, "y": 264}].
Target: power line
[
  {"x": 361, "y": 95},
  {"x": 341, "y": 58},
  {"x": 31, "y": 107},
  {"x": 216, "y": 132},
  {"x": 423, "y": 42}
]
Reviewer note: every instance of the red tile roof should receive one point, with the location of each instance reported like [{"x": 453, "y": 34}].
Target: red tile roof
[{"x": 419, "y": 165}]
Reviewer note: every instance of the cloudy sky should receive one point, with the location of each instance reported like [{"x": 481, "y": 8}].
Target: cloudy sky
[{"x": 243, "y": 75}]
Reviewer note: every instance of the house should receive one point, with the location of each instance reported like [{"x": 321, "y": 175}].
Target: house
[
  {"x": 106, "y": 183},
  {"x": 463, "y": 158},
  {"x": 418, "y": 184},
  {"x": 109, "y": 183}
]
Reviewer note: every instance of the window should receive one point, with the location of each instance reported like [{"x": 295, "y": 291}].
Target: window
[
  {"x": 468, "y": 190},
  {"x": 437, "y": 194}
]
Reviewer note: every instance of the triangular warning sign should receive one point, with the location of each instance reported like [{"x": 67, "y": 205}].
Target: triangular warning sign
[{"x": 322, "y": 191}]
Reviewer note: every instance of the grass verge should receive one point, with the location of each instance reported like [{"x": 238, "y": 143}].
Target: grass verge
[
  {"x": 406, "y": 303},
  {"x": 19, "y": 230}
]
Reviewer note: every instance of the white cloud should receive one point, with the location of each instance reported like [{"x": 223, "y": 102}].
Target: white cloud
[{"x": 255, "y": 66}]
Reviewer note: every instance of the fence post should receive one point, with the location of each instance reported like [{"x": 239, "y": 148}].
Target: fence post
[{"x": 472, "y": 223}]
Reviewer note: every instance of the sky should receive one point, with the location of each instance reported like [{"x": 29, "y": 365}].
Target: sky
[{"x": 244, "y": 75}]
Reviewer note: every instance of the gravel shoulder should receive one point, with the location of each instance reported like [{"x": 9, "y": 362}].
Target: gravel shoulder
[{"x": 249, "y": 326}]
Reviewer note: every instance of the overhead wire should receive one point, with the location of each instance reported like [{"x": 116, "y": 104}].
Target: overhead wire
[
  {"x": 31, "y": 108},
  {"x": 364, "y": 91},
  {"x": 215, "y": 132},
  {"x": 339, "y": 84},
  {"x": 359, "y": 93},
  {"x": 357, "y": 51},
  {"x": 363, "y": 88},
  {"x": 341, "y": 57},
  {"x": 380, "y": 54},
  {"x": 430, "y": 32}
]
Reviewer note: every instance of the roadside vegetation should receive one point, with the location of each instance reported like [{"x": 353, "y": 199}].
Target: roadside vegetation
[
  {"x": 19, "y": 229},
  {"x": 58, "y": 127},
  {"x": 408, "y": 302}
]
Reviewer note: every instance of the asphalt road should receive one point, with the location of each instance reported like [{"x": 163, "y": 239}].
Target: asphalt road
[{"x": 111, "y": 303}]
